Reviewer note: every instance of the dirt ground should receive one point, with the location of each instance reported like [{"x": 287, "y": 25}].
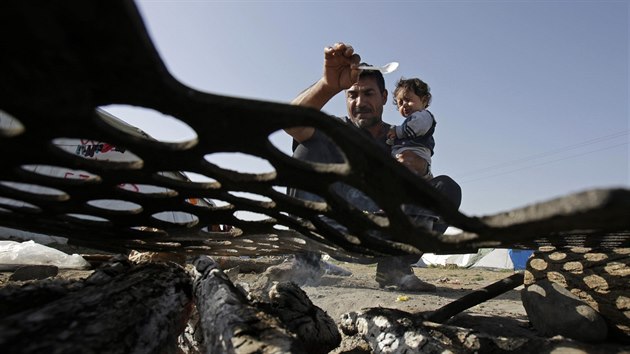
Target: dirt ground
[
  {"x": 341, "y": 294},
  {"x": 501, "y": 316}
]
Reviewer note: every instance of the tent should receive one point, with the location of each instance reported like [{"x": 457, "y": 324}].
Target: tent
[
  {"x": 504, "y": 259},
  {"x": 494, "y": 258}
]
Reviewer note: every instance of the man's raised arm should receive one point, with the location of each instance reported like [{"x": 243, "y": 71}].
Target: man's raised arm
[{"x": 340, "y": 73}]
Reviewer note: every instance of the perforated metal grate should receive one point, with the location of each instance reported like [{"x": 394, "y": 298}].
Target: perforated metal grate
[{"x": 62, "y": 61}]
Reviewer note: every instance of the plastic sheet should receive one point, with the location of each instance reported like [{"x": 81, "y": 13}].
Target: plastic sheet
[{"x": 14, "y": 254}]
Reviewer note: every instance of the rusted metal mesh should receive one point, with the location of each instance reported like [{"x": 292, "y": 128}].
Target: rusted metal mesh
[{"x": 62, "y": 61}]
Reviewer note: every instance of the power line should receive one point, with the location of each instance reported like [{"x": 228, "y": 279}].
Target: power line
[
  {"x": 548, "y": 153},
  {"x": 544, "y": 163}
]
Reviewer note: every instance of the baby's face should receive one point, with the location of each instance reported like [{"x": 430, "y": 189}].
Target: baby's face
[{"x": 408, "y": 102}]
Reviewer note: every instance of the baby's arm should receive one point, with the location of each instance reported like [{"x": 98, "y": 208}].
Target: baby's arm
[{"x": 417, "y": 124}]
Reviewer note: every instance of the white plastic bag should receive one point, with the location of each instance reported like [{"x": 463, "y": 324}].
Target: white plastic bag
[{"x": 29, "y": 252}]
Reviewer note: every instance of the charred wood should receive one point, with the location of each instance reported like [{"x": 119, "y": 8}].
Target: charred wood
[
  {"x": 395, "y": 331},
  {"x": 476, "y": 297},
  {"x": 313, "y": 326},
  {"x": 248, "y": 265},
  {"x": 18, "y": 297},
  {"x": 232, "y": 322},
  {"x": 117, "y": 310}
]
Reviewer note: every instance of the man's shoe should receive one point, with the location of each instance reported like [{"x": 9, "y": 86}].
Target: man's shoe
[
  {"x": 396, "y": 272},
  {"x": 404, "y": 282},
  {"x": 413, "y": 283}
]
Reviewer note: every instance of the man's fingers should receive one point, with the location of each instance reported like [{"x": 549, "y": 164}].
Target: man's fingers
[
  {"x": 328, "y": 52},
  {"x": 334, "y": 49},
  {"x": 356, "y": 59},
  {"x": 348, "y": 51},
  {"x": 340, "y": 48}
]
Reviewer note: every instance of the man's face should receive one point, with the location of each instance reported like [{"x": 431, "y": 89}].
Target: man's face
[{"x": 365, "y": 103}]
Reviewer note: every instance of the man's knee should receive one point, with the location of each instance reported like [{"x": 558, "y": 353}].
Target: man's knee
[{"x": 447, "y": 186}]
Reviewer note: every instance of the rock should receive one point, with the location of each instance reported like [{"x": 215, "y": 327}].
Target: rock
[
  {"x": 553, "y": 310},
  {"x": 34, "y": 272},
  {"x": 597, "y": 277}
]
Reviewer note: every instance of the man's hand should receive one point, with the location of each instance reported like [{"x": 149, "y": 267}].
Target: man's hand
[
  {"x": 391, "y": 136},
  {"x": 415, "y": 163},
  {"x": 340, "y": 64},
  {"x": 340, "y": 72}
]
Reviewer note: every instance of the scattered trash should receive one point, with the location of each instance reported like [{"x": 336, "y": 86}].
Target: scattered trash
[
  {"x": 448, "y": 280},
  {"x": 402, "y": 298}
]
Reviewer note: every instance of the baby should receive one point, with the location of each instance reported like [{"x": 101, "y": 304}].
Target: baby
[{"x": 412, "y": 97}]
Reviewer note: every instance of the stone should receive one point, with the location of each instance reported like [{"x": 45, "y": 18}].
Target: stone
[
  {"x": 34, "y": 272},
  {"x": 553, "y": 310},
  {"x": 597, "y": 277}
]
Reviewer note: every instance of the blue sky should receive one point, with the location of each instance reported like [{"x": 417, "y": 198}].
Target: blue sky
[{"x": 531, "y": 97}]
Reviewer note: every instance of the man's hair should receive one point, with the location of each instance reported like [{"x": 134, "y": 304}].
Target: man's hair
[
  {"x": 414, "y": 85},
  {"x": 375, "y": 74}
]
